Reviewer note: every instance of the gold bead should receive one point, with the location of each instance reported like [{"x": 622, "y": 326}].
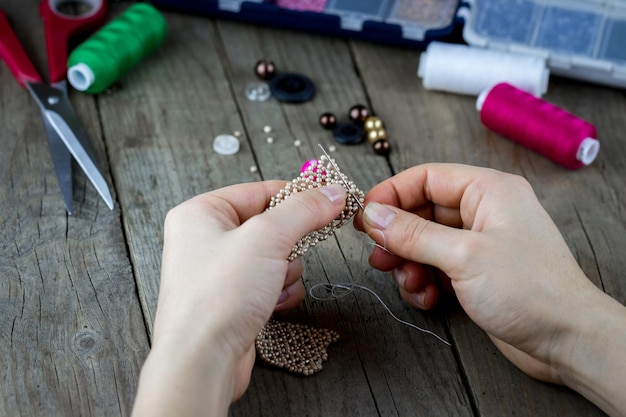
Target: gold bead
[
  {"x": 376, "y": 135},
  {"x": 372, "y": 123}
]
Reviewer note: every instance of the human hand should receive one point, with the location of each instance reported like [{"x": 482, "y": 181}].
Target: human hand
[
  {"x": 509, "y": 266},
  {"x": 224, "y": 266}
]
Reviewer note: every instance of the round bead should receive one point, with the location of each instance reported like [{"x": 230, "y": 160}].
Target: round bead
[
  {"x": 267, "y": 129},
  {"x": 374, "y": 135},
  {"x": 348, "y": 134},
  {"x": 381, "y": 147},
  {"x": 265, "y": 69},
  {"x": 270, "y": 140},
  {"x": 358, "y": 113},
  {"x": 307, "y": 164},
  {"x": 373, "y": 123},
  {"x": 328, "y": 121}
]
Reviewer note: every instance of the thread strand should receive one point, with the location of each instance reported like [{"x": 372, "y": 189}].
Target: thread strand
[{"x": 348, "y": 288}]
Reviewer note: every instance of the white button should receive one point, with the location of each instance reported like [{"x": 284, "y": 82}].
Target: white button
[{"x": 226, "y": 144}]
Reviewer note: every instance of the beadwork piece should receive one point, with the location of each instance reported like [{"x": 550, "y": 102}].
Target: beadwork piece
[
  {"x": 319, "y": 173},
  {"x": 297, "y": 348}
]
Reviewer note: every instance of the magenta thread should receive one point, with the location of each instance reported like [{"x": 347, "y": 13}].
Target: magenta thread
[{"x": 538, "y": 125}]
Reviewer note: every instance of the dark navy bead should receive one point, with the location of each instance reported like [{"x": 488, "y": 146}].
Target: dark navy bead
[
  {"x": 348, "y": 134},
  {"x": 292, "y": 88}
]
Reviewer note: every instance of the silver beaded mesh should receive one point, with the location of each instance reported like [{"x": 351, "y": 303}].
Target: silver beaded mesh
[
  {"x": 297, "y": 348},
  {"x": 322, "y": 172}
]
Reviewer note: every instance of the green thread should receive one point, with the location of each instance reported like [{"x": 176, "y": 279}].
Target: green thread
[{"x": 116, "y": 48}]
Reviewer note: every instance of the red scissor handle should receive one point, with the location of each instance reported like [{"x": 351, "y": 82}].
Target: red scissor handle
[
  {"x": 60, "y": 28},
  {"x": 13, "y": 54}
]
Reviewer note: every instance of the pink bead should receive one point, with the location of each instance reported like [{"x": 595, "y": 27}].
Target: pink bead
[
  {"x": 307, "y": 164},
  {"x": 311, "y": 166}
]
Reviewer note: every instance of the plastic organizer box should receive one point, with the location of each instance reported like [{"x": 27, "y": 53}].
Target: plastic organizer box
[{"x": 584, "y": 39}]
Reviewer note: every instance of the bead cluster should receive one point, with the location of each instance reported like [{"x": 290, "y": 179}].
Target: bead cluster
[
  {"x": 296, "y": 347},
  {"x": 319, "y": 173},
  {"x": 377, "y": 135},
  {"x": 362, "y": 124}
]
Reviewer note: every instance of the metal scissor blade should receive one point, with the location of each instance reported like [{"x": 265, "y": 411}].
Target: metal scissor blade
[
  {"x": 58, "y": 112},
  {"x": 78, "y": 152},
  {"x": 62, "y": 159}
]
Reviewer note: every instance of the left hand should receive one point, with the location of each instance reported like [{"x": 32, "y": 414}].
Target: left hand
[{"x": 224, "y": 267}]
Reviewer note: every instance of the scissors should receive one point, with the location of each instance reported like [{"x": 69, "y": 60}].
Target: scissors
[{"x": 66, "y": 137}]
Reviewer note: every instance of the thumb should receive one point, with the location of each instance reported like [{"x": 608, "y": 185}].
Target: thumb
[
  {"x": 410, "y": 236},
  {"x": 298, "y": 215}
]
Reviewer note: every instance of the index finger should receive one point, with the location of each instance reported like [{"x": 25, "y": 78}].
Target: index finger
[{"x": 419, "y": 188}]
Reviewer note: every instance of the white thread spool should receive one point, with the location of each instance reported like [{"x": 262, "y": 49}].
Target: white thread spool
[{"x": 470, "y": 70}]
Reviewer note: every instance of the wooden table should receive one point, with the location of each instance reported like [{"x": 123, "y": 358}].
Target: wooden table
[{"x": 78, "y": 293}]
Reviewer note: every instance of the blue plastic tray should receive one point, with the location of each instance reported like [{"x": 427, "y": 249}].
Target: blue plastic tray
[{"x": 402, "y": 22}]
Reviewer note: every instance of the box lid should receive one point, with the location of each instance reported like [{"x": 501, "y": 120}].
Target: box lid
[{"x": 579, "y": 39}]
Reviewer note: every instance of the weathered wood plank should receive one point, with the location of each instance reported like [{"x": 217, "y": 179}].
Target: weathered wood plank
[
  {"x": 159, "y": 123},
  {"x": 72, "y": 336},
  {"x": 434, "y": 126}
]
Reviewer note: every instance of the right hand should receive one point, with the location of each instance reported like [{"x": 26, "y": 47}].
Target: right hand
[{"x": 508, "y": 265}]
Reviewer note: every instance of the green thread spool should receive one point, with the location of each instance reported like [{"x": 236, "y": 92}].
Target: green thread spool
[{"x": 116, "y": 48}]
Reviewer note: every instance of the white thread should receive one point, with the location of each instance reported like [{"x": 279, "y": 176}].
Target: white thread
[
  {"x": 384, "y": 245},
  {"x": 470, "y": 70},
  {"x": 348, "y": 288}
]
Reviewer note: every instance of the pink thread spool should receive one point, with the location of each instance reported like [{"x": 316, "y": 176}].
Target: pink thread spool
[{"x": 538, "y": 125}]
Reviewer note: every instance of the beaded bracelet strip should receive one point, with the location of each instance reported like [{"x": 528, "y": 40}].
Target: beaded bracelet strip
[
  {"x": 319, "y": 173},
  {"x": 300, "y": 348}
]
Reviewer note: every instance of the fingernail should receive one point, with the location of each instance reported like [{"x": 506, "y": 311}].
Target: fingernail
[
  {"x": 333, "y": 192},
  {"x": 378, "y": 216},
  {"x": 418, "y": 298},
  {"x": 400, "y": 276},
  {"x": 282, "y": 297}
]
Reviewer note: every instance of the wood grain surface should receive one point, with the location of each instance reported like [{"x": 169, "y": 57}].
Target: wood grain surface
[{"x": 78, "y": 293}]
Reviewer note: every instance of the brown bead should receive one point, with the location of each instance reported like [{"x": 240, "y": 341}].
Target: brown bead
[
  {"x": 265, "y": 69},
  {"x": 328, "y": 121},
  {"x": 358, "y": 113},
  {"x": 382, "y": 147}
]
